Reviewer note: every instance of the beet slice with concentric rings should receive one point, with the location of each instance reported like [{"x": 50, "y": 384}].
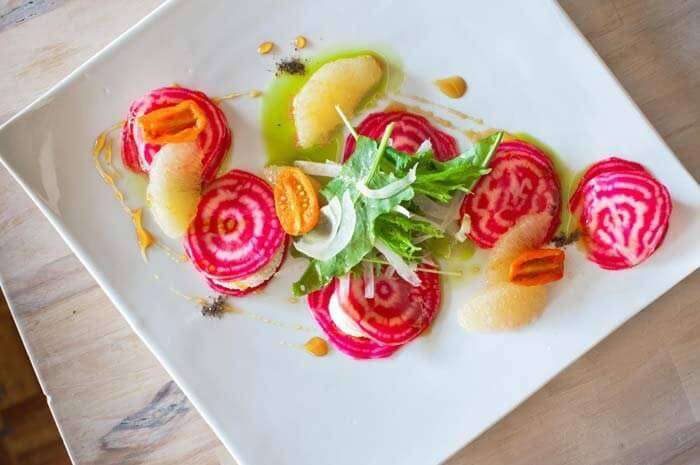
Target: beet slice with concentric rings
[
  {"x": 410, "y": 131},
  {"x": 355, "y": 347},
  {"x": 214, "y": 140},
  {"x": 612, "y": 164},
  {"x": 522, "y": 181},
  {"x": 624, "y": 216},
  {"x": 235, "y": 231},
  {"x": 217, "y": 285},
  {"x": 398, "y": 312}
]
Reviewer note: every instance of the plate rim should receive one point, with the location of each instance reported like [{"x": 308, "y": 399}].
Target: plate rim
[{"x": 114, "y": 297}]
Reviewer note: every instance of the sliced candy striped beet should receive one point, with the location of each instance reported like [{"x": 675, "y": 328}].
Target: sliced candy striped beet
[
  {"x": 398, "y": 312},
  {"x": 624, "y": 216},
  {"x": 612, "y": 164},
  {"x": 235, "y": 231},
  {"x": 214, "y": 140},
  {"x": 410, "y": 131},
  {"x": 522, "y": 181},
  {"x": 356, "y": 347},
  {"x": 222, "y": 287}
]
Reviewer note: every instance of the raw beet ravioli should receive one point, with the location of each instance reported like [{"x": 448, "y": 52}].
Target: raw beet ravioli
[
  {"x": 410, "y": 131},
  {"x": 235, "y": 232},
  {"x": 522, "y": 181},
  {"x": 215, "y": 139},
  {"x": 623, "y": 212},
  {"x": 397, "y": 314}
]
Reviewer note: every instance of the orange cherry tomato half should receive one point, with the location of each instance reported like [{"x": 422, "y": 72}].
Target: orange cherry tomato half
[{"x": 296, "y": 201}]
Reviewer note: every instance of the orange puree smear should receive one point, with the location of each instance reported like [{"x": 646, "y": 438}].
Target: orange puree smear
[
  {"x": 103, "y": 144},
  {"x": 254, "y": 93},
  {"x": 399, "y": 106},
  {"x": 454, "y": 112},
  {"x": 143, "y": 236},
  {"x": 478, "y": 135}
]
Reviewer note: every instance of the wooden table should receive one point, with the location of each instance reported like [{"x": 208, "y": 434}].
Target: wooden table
[{"x": 635, "y": 398}]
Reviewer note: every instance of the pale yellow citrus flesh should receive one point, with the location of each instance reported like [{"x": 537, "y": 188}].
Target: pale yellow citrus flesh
[
  {"x": 528, "y": 233},
  {"x": 343, "y": 82},
  {"x": 174, "y": 186},
  {"x": 503, "y": 306}
]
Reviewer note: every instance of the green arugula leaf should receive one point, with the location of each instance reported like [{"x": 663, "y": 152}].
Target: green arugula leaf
[
  {"x": 402, "y": 234},
  {"x": 441, "y": 180},
  {"x": 378, "y": 165},
  {"x": 362, "y": 165}
]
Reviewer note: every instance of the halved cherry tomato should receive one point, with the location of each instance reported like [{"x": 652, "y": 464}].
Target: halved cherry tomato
[
  {"x": 537, "y": 267},
  {"x": 179, "y": 123},
  {"x": 296, "y": 201}
]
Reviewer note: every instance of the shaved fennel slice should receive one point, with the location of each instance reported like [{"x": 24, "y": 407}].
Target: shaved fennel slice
[
  {"x": 368, "y": 275},
  {"x": 341, "y": 216},
  {"x": 401, "y": 210},
  {"x": 327, "y": 169},
  {"x": 449, "y": 223},
  {"x": 465, "y": 226},
  {"x": 431, "y": 208},
  {"x": 403, "y": 269},
  {"x": 425, "y": 146},
  {"x": 390, "y": 189}
]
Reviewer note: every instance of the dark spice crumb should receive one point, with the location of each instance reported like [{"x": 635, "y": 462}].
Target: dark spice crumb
[
  {"x": 214, "y": 307},
  {"x": 562, "y": 240},
  {"x": 293, "y": 66}
]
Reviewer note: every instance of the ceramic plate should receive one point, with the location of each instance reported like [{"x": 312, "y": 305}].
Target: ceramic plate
[{"x": 528, "y": 70}]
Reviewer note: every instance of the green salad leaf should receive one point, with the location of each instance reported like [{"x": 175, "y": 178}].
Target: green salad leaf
[
  {"x": 405, "y": 235},
  {"x": 441, "y": 180},
  {"x": 377, "y": 165},
  {"x": 361, "y": 166}
]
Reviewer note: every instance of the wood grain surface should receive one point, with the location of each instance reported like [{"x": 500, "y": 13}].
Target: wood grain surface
[{"x": 634, "y": 399}]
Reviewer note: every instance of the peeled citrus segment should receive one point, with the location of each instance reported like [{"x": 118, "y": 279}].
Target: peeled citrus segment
[
  {"x": 530, "y": 232},
  {"x": 174, "y": 186},
  {"x": 343, "y": 82},
  {"x": 502, "y": 307}
]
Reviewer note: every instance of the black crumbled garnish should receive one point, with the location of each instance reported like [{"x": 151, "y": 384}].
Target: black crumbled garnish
[
  {"x": 562, "y": 240},
  {"x": 293, "y": 66},
  {"x": 214, "y": 307}
]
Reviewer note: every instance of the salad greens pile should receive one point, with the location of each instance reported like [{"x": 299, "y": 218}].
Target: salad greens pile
[{"x": 375, "y": 191}]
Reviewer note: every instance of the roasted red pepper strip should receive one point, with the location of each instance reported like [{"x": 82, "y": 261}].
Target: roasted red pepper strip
[
  {"x": 537, "y": 267},
  {"x": 180, "y": 123}
]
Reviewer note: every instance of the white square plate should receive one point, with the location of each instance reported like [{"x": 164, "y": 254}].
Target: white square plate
[{"x": 528, "y": 69}]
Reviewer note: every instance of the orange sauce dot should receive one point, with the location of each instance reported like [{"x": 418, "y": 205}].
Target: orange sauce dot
[
  {"x": 453, "y": 86},
  {"x": 300, "y": 42},
  {"x": 316, "y": 346},
  {"x": 265, "y": 48}
]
